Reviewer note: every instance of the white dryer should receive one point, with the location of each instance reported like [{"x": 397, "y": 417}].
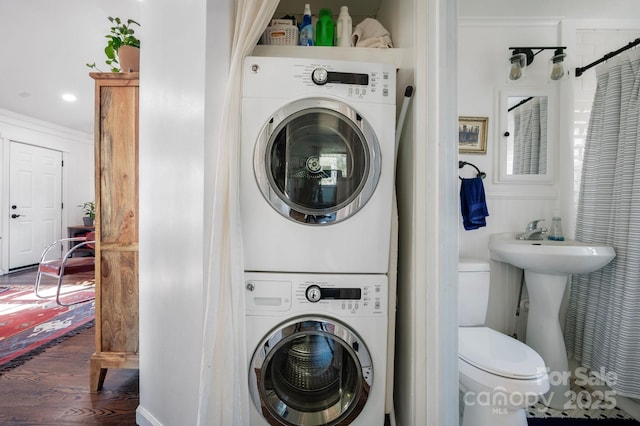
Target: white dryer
[
  {"x": 317, "y": 346},
  {"x": 317, "y": 164}
]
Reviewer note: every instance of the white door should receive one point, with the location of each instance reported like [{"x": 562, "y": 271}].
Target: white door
[{"x": 35, "y": 202}]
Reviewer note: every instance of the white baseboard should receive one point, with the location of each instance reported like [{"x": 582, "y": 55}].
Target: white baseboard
[{"x": 145, "y": 418}]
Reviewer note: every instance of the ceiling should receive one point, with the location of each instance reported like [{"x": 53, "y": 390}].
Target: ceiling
[{"x": 45, "y": 45}]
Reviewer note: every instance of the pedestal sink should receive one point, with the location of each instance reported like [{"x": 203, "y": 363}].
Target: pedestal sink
[{"x": 547, "y": 266}]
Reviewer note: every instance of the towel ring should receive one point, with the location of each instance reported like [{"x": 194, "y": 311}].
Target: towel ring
[{"x": 461, "y": 164}]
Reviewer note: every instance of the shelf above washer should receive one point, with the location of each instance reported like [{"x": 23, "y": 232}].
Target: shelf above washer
[{"x": 363, "y": 54}]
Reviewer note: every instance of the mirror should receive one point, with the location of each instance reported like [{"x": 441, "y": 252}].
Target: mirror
[{"x": 526, "y": 133}]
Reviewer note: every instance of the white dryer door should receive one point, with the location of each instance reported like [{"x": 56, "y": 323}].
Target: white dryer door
[
  {"x": 311, "y": 371},
  {"x": 317, "y": 161}
]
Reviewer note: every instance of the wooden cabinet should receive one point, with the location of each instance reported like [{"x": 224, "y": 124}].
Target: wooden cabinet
[{"x": 116, "y": 180}]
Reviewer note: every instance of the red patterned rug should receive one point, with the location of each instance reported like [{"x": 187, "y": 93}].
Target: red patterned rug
[{"x": 29, "y": 324}]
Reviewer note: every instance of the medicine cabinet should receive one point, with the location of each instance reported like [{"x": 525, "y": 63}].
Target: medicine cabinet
[{"x": 527, "y": 135}]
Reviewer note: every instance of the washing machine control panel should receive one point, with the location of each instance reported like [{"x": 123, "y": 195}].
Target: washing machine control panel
[
  {"x": 314, "y": 293},
  {"x": 342, "y": 295},
  {"x": 365, "y": 299}
]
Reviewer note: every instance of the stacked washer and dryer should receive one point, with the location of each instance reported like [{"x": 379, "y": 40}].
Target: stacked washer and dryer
[{"x": 316, "y": 185}]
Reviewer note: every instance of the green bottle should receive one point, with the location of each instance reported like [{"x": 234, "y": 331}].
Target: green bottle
[{"x": 325, "y": 28}]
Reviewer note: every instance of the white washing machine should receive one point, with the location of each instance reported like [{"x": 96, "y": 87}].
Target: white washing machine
[
  {"x": 317, "y": 346},
  {"x": 317, "y": 164}
]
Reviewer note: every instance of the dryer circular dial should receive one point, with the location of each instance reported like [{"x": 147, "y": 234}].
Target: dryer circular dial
[
  {"x": 317, "y": 161},
  {"x": 319, "y": 76}
]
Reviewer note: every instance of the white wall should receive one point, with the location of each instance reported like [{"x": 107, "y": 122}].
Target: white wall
[
  {"x": 173, "y": 129},
  {"x": 591, "y": 9},
  {"x": 77, "y": 173},
  {"x": 426, "y": 382}
]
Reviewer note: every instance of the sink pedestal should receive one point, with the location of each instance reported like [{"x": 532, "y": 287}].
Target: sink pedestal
[
  {"x": 547, "y": 265},
  {"x": 544, "y": 333}
]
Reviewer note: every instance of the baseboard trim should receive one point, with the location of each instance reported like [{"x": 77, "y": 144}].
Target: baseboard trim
[{"x": 145, "y": 418}]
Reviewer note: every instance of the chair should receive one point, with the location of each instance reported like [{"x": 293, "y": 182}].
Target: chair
[{"x": 65, "y": 265}]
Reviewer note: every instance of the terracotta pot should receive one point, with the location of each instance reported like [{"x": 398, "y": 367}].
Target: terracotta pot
[{"x": 129, "y": 58}]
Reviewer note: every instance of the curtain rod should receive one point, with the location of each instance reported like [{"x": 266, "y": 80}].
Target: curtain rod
[
  {"x": 609, "y": 55},
  {"x": 524, "y": 101}
]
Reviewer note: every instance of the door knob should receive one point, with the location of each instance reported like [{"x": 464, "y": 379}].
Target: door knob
[{"x": 13, "y": 216}]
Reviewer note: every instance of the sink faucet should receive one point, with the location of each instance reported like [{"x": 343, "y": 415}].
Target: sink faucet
[{"x": 532, "y": 232}]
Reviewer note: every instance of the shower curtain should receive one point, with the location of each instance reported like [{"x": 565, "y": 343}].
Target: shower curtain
[
  {"x": 530, "y": 137},
  {"x": 603, "y": 318},
  {"x": 223, "y": 396}
]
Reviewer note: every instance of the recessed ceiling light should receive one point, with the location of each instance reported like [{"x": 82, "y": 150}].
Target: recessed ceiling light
[{"x": 69, "y": 97}]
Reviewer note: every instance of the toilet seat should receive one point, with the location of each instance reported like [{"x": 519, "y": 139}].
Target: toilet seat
[{"x": 499, "y": 354}]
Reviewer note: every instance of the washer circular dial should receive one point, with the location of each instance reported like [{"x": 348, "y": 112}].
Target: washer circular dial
[{"x": 313, "y": 293}]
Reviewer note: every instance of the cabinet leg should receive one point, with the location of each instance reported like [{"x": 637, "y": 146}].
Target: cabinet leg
[{"x": 97, "y": 375}]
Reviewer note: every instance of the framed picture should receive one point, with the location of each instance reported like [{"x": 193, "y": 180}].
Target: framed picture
[{"x": 472, "y": 135}]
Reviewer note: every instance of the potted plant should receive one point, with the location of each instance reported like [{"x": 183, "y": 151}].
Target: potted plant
[
  {"x": 89, "y": 210},
  {"x": 123, "y": 48}
]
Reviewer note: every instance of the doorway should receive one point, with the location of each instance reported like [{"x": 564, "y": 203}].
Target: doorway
[{"x": 35, "y": 202}]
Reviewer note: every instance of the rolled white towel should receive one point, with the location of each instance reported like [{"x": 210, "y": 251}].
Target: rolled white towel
[{"x": 371, "y": 33}]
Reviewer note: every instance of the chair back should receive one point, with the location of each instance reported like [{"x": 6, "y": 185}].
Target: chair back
[{"x": 91, "y": 236}]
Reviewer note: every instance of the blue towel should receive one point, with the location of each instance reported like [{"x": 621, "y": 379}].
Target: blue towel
[{"x": 473, "y": 204}]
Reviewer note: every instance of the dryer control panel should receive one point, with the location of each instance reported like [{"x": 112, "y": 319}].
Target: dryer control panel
[
  {"x": 272, "y": 77},
  {"x": 321, "y": 76},
  {"x": 359, "y": 85}
]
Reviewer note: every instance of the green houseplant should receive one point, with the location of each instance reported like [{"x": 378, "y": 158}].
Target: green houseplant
[
  {"x": 89, "y": 210},
  {"x": 121, "y": 35}
]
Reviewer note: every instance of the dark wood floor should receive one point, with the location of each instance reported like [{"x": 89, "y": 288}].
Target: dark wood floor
[{"x": 53, "y": 387}]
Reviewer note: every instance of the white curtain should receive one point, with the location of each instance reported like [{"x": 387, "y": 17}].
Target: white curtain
[
  {"x": 603, "y": 322},
  {"x": 530, "y": 137},
  {"x": 223, "y": 381}
]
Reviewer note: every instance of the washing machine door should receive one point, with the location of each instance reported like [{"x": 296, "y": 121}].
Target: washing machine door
[
  {"x": 311, "y": 371},
  {"x": 317, "y": 161}
]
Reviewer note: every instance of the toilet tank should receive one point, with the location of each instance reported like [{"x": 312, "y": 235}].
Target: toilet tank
[{"x": 473, "y": 291}]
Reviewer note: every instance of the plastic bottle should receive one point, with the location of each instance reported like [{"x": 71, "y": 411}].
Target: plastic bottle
[
  {"x": 344, "y": 28},
  {"x": 325, "y": 28},
  {"x": 555, "y": 234},
  {"x": 306, "y": 29}
]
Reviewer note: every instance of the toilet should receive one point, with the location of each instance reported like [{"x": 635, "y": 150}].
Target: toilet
[{"x": 499, "y": 375}]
